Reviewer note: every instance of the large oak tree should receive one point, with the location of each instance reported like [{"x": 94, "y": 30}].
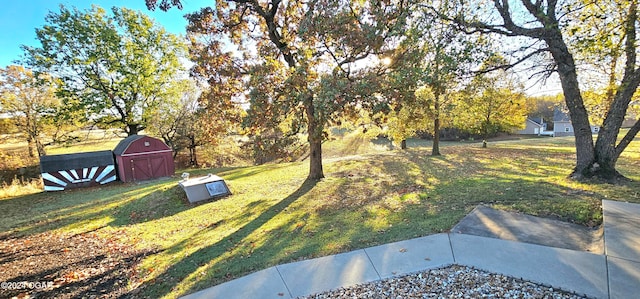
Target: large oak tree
[
  {"x": 547, "y": 26},
  {"x": 301, "y": 58},
  {"x": 116, "y": 67}
]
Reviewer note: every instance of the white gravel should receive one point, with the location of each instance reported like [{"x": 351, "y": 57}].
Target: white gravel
[{"x": 450, "y": 282}]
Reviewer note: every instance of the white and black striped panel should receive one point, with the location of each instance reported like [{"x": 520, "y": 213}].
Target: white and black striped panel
[{"x": 75, "y": 178}]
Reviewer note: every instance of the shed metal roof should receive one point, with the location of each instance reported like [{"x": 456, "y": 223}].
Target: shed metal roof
[
  {"x": 124, "y": 144},
  {"x": 75, "y": 161}
]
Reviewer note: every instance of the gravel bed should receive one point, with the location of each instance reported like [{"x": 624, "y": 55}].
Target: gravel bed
[{"x": 450, "y": 282}]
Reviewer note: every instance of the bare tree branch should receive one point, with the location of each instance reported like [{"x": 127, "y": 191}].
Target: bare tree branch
[{"x": 511, "y": 65}]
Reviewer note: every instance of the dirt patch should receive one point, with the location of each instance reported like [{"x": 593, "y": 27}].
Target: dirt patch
[{"x": 52, "y": 265}]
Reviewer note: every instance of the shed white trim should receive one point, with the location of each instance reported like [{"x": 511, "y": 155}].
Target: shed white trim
[{"x": 146, "y": 153}]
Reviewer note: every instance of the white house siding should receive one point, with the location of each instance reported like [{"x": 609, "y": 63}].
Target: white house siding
[
  {"x": 562, "y": 129},
  {"x": 530, "y": 129}
]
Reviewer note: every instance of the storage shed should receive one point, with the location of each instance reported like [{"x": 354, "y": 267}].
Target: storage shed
[
  {"x": 142, "y": 157},
  {"x": 61, "y": 172}
]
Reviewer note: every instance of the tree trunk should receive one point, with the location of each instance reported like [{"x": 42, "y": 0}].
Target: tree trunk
[
  {"x": 192, "y": 151},
  {"x": 585, "y": 155},
  {"x": 30, "y": 146},
  {"x": 315, "y": 160},
  {"x": 606, "y": 150},
  {"x": 132, "y": 129},
  {"x": 194, "y": 157},
  {"x": 631, "y": 134},
  {"x": 435, "y": 149},
  {"x": 40, "y": 148},
  {"x": 403, "y": 144},
  {"x": 33, "y": 136},
  {"x": 315, "y": 141},
  {"x": 485, "y": 132}
]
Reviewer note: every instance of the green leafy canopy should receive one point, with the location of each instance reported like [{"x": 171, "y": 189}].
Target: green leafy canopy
[{"x": 116, "y": 66}]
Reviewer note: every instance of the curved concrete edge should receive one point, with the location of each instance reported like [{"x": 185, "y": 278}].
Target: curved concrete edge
[
  {"x": 404, "y": 257},
  {"x": 327, "y": 273},
  {"x": 573, "y": 271},
  {"x": 266, "y": 283}
]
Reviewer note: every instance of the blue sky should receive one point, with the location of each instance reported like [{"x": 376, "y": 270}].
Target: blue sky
[{"x": 20, "y": 18}]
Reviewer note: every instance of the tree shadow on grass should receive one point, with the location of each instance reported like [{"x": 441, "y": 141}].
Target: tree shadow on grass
[
  {"x": 126, "y": 203},
  {"x": 90, "y": 208},
  {"x": 157, "y": 204},
  {"x": 243, "y": 172},
  {"x": 163, "y": 284},
  {"x": 463, "y": 179}
]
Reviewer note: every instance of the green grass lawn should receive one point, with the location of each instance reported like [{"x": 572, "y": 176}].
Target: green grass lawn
[{"x": 275, "y": 217}]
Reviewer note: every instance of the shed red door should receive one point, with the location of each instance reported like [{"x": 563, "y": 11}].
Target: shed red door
[
  {"x": 140, "y": 169},
  {"x": 149, "y": 167},
  {"x": 158, "y": 166}
]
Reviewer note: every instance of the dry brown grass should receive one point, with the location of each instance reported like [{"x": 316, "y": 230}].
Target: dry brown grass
[{"x": 19, "y": 187}]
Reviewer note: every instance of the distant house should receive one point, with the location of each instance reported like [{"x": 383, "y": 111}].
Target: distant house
[
  {"x": 533, "y": 126},
  {"x": 562, "y": 124}
]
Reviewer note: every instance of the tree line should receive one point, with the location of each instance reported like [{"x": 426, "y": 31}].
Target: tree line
[{"x": 278, "y": 69}]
